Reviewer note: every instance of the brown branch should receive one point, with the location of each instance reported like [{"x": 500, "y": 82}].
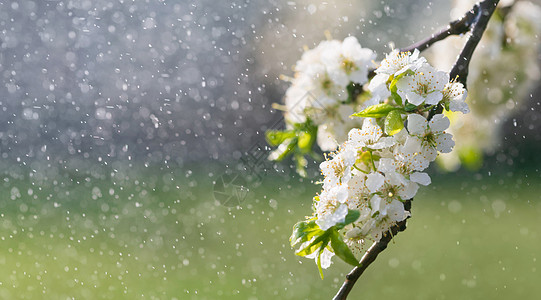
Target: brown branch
[
  {"x": 456, "y": 27},
  {"x": 461, "y": 66},
  {"x": 475, "y": 20},
  {"x": 370, "y": 256},
  {"x": 460, "y": 69}
]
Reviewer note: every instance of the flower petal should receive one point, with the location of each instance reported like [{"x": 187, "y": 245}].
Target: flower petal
[
  {"x": 445, "y": 143},
  {"x": 420, "y": 178},
  {"x": 416, "y": 124},
  {"x": 439, "y": 123},
  {"x": 374, "y": 181}
]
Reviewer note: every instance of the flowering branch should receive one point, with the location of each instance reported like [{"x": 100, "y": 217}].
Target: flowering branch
[{"x": 478, "y": 17}]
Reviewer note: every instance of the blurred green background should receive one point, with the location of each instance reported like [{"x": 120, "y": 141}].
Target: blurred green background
[{"x": 153, "y": 236}]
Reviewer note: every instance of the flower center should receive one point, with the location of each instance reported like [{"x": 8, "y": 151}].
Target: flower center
[
  {"x": 429, "y": 139},
  {"x": 348, "y": 66}
]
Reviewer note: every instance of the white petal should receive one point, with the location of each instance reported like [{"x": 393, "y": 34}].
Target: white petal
[
  {"x": 414, "y": 98},
  {"x": 395, "y": 211},
  {"x": 355, "y": 138},
  {"x": 445, "y": 143},
  {"x": 387, "y": 165},
  {"x": 439, "y": 123},
  {"x": 329, "y": 220},
  {"x": 457, "y": 105},
  {"x": 433, "y": 98},
  {"x": 325, "y": 138},
  {"x": 384, "y": 142},
  {"x": 408, "y": 191},
  {"x": 353, "y": 233},
  {"x": 412, "y": 145},
  {"x": 376, "y": 203},
  {"x": 374, "y": 181},
  {"x": 420, "y": 178},
  {"x": 416, "y": 124},
  {"x": 341, "y": 192},
  {"x": 371, "y": 132},
  {"x": 326, "y": 258},
  {"x": 395, "y": 178}
]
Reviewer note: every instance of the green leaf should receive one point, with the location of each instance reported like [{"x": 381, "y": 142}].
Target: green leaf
[
  {"x": 375, "y": 111},
  {"x": 319, "y": 242},
  {"x": 320, "y": 269},
  {"x": 304, "y": 231},
  {"x": 352, "y": 216},
  {"x": 393, "y": 122},
  {"x": 277, "y": 137},
  {"x": 410, "y": 107},
  {"x": 394, "y": 92},
  {"x": 342, "y": 250},
  {"x": 306, "y": 140}
]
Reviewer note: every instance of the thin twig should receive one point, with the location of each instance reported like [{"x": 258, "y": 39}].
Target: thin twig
[
  {"x": 478, "y": 17},
  {"x": 456, "y": 27},
  {"x": 460, "y": 69}
]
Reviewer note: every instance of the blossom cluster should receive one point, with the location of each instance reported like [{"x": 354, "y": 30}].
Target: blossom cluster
[
  {"x": 502, "y": 71},
  {"x": 322, "y": 88},
  {"x": 381, "y": 165}
]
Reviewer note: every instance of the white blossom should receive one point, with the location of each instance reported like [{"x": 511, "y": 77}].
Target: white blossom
[
  {"x": 370, "y": 136},
  {"x": 337, "y": 170},
  {"x": 396, "y": 62},
  {"x": 330, "y": 219},
  {"x": 455, "y": 94},
  {"x": 425, "y": 86},
  {"x": 349, "y": 62},
  {"x": 428, "y": 137}
]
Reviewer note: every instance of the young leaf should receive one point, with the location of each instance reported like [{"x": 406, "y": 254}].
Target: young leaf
[
  {"x": 375, "y": 111},
  {"x": 306, "y": 140},
  {"x": 393, "y": 122},
  {"x": 410, "y": 107},
  {"x": 276, "y": 137},
  {"x": 320, "y": 241},
  {"x": 319, "y": 261},
  {"x": 304, "y": 231},
  {"x": 352, "y": 216},
  {"x": 342, "y": 250}
]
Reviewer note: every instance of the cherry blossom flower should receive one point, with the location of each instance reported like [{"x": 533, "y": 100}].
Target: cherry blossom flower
[
  {"x": 428, "y": 137},
  {"x": 396, "y": 62},
  {"x": 370, "y": 136},
  {"x": 425, "y": 86},
  {"x": 349, "y": 62},
  {"x": 455, "y": 95}
]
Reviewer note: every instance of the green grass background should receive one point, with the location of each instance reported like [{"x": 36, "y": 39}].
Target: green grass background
[{"x": 161, "y": 235}]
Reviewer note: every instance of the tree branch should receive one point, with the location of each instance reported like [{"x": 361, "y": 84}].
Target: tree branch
[
  {"x": 475, "y": 20},
  {"x": 370, "y": 256},
  {"x": 460, "y": 69},
  {"x": 456, "y": 27}
]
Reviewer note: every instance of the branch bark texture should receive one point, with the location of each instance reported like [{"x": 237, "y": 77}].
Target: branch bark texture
[{"x": 476, "y": 21}]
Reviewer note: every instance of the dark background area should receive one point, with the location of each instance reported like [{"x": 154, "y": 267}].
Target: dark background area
[{"x": 182, "y": 81}]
